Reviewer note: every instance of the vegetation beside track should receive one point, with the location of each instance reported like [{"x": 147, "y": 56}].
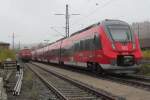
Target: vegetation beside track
[
  {"x": 145, "y": 69},
  {"x": 31, "y": 88},
  {"x": 146, "y": 54},
  {"x": 6, "y": 53}
]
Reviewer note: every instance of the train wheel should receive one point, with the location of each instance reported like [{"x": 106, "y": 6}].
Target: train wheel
[
  {"x": 89, "y": 66},
  {"x": 94, "y": 67},
  {"x": 61, "y": 63}
]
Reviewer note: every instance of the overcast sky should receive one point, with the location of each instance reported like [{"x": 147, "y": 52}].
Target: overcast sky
[{"x": 31, "y": 20}]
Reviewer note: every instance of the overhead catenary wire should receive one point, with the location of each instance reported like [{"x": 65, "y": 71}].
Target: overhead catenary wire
[
  {"x": 92, "y": 12},
  {"x": 88, "y": 15},
  {"x": 67, "y": 16}
]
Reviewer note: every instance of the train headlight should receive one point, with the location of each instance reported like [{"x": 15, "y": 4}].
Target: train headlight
[{"x": 113, "y": 46}]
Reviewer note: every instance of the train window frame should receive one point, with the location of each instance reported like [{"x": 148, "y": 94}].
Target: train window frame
[
  {"x": 76, "y": 46},
  {"x": 111, "y": 36},
  {"x": 88, "y": 43}
]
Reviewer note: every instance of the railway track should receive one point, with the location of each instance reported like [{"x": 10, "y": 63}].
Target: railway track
[
  {"x": 66, "y": 88},
  {"x": 139, "y": 77},
  {"x": 145, "y": 62},
  {"x": 136, "y": 81}
]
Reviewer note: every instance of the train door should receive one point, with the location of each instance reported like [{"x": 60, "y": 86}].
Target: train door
[
  {"x": 96, "y": 46},
  {"x": 91, "y": 48}
]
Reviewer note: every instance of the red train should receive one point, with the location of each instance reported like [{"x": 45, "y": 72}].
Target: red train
[
  {"x": 25, "y": 55},
  {"x": 110, "y": 45}
]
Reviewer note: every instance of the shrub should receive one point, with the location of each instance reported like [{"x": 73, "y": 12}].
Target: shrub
[
  {"x": 6, "y": 53},
  {"x": 146, "y": 54}
]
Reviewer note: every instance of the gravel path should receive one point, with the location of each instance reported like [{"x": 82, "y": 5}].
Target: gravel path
[
  {"x": 32, "y": 89},
  {"x": 130, "y": 93}
]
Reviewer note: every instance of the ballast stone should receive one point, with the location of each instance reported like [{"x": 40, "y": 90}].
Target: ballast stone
[{"x": 3, "y": 95}]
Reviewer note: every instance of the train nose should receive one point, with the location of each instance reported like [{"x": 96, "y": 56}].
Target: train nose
[
  {"x": 124, "y": 47},
  {"x": 125, "y": 60}
]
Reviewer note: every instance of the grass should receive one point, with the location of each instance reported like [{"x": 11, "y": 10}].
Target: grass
[
  {"x": 146, "y": 54},
  {"x": 32, "y": 90},
  {"x": 28, "y": 79},
  {"x": 6, "y": 53},
  {"x": 145, "y": 68}
]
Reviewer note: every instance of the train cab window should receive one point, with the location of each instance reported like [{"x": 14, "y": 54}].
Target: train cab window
[{"x": 121, "y": 33}]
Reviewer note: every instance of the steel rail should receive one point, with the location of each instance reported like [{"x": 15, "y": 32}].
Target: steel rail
[
  {"x": 51, "y": 87},
  {"x": 138, "y": 77},
  {"x": 17, "y": 88},
  {"x": 97, "y": 92},
  {"x": 130, "y": 81}
]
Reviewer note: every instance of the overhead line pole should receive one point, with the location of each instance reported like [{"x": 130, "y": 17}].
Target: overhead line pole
[
  {"x": 138, "y": 31},
  {"x": 19, "y": 45},
  {"x": 67, "y": 16},
  {"x": 13, "y": 41},
  {"x": 67, "y": 21}
]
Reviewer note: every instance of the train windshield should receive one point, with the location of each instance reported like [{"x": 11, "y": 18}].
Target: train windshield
[{"x": 121, "y": 33}]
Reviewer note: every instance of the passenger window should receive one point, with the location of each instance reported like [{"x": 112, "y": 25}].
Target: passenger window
[
  {"x": 97, "y": 42},
  {"x": 81, "y": 45},
  {"x": 88, "y": 44},
  {"x": 77, "y": 47}
]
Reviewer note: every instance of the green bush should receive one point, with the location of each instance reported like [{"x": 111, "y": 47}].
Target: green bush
[
  {"x": 146, "y": 54},
  {"x": 6, "y": 53}
]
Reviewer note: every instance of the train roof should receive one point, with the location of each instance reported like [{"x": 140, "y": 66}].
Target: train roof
[
  {"x": 114, "y": 22},
  {"x": 85, "y": 29},
  {"x": 105, "y": 22},
  {"x": 57, "y": 40},
  {"x": 76, "y": 32},
  {"x": 25, "y": 49}
]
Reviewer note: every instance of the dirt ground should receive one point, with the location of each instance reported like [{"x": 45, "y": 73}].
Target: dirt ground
[{"x": 32, "y": 88}]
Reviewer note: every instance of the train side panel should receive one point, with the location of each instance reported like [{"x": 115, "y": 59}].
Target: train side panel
[{"x": 109, "y": 46}]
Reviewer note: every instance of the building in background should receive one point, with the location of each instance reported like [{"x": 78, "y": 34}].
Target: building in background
[
  {"x": 143, "y": 31},
  {"x": 4, "y": 45}
]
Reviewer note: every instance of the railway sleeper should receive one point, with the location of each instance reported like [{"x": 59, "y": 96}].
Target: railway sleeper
[
  {"x": 76, "y": 91},
  {"x": 84, "y": 98},
  {"x": 77, "y": 95},
  {"x": 81, "y": 98}
]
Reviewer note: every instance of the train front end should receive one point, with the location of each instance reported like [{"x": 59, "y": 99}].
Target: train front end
[
  {"x": 25, "y": 55},
  {"x": 123, "y": 51}
]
